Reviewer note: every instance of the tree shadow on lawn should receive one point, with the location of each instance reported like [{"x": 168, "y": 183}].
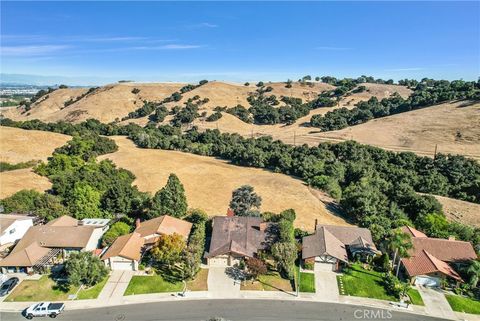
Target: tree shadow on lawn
[{"x": 277, "y": 288}]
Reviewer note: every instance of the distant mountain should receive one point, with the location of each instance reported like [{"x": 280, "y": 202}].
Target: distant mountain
[{"x": 40, "y": 80}]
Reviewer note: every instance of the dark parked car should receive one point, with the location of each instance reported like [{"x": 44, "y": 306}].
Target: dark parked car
[{"x": 8, "y": 286}]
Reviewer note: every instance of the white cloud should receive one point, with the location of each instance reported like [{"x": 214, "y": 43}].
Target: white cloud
[
  {"x": 34, "y": 50},
  {"x": 208, "y": 25}
]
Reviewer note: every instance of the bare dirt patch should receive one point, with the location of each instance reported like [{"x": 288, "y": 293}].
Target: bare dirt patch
[
  {"x": 209, "y": 182},
  {"x": 19, "y": 145},
  {"x": 460, "y": 211}
]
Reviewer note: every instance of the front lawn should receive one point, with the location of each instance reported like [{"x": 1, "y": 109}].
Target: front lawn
[
  {"x": 140, "y": 284},
  {"x": 364, "y": 283},
  {"x": 200, "y": 283},
  {"x": 268, "y": 282},
  {"x": 307, "y": 280},
  {"x": 46, "y": 289},
  {"x": 415, "y": 297},
  {"x": 93, "y": 292},
  {"x": 463, "y": 304}
]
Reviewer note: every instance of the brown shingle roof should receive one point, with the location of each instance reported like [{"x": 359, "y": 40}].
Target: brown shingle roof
[
  {"x": 8, "y": 219},
  {"x": 332, "y": 240},
  {"x": 128, "y": 246},
  {"x": 56, "y": 236},
  {"x": 238, "y": 234},
  {"x": 27, "y": 256},
  {"x": 323, "y": 242},
  {"x": 164, "y": 224},
  {"x": 425, "y": 263},
  {"x": 64, "y": 220}
]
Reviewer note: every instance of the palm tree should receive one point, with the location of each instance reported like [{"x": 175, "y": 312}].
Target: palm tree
[
  {"x": 399, "y": 243},
  {"x": 473, "y": 272}
]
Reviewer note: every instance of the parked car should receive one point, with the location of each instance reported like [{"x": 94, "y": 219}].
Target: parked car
[
  {"x": 8, "y": 286},
  {"x": 43, "y": 309}
]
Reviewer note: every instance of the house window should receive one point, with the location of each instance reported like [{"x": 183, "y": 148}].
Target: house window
[{"x": 12, "y": 231}]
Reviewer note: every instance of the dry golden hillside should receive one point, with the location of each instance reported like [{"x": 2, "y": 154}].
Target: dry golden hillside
[
  {"x": 209, "y": 182},
  {"x": 105, "y": 104},
  {"x": 14, "y": 181},
  {"x": 19, "y": 145},
  {"x": 460, "y": 211},
  {"x": 451, "y": 126}
]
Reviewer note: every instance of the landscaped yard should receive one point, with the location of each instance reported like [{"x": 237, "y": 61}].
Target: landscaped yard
[
  {"x": 307, "y": 281},
  {"x": 415, "y": 297},
  {"x": 360, "y": 282},
  {"x": 45, "y": 289},
  {"x": 93, "y": 292},
  {"x": 143, "y": 284},
  {"x": 200, "y": 283},
  {"x": 268, "y": 282},
  {"x": 463, "y": 304}
]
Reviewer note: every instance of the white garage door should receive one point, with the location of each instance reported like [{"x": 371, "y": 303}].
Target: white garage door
[
  {"x": 324, "y": 267},
  {"x": 218, "y": 261},
  {"x": 116, "y": 265},
  {"x": 429, "y": 281}
]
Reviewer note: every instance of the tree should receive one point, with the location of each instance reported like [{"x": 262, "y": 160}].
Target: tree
[
  {"x": 21, "y": 202},
  {"x": 244, "y": 199},
  {"x": 399, "y": 243},
  {"x": 85, "y": 268},
  {"x": 170, "y": 200},
  {"x": 168, "y": 249},
  {"x": 473, "y": 271},
  {"x": 256, "y": 267},
  {"x": 84, "y": 202},
  {"x": 285, "y": 255},
  {"x": 116, "y": 230}
]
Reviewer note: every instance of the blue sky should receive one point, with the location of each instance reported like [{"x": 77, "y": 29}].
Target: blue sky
[{"x": 188, "y": 41}]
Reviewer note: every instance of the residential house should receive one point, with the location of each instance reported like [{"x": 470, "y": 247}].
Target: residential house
[
  {"x": 13, "y": 227},
  {"x": 331, "y": 245},
  {"x": 236, "y": 238},
  {"x": 432, "y": 259},
  {"x": 126, "y": 251},
  {"x": 43, "y": 246}
]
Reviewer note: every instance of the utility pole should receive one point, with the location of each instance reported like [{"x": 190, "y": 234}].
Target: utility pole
[
  {"x": 294, "y": 138},
  {"x": 435, "y": 154}
]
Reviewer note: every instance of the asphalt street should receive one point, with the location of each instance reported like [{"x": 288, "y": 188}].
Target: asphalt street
[{"x": 233, "y": 310}]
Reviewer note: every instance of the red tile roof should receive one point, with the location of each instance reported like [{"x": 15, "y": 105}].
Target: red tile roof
[
  {"x": 424, "y": 263},
  {"x": 412, "y": 232}
]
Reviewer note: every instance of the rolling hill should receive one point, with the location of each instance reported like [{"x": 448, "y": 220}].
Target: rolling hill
[{"x": 209, "y": 182}]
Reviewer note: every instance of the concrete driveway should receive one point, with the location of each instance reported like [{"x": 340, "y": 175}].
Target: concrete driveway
[
  {"x": 221, "y": 285},
  {"x": 435, "y": 303},
  {"x": 326, "y": 288},
  {"x": 116, "y": 285}
]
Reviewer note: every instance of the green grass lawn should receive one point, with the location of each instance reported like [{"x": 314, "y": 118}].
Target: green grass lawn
[
  {"x": 93, "y": 292},
  {"x": 462, "y": 304},
  {"x": 307, "y": 281},
  {"x": 415, "y": 297},
  {"x": 268, "y": 282},
  {"x": 151, "y": 284},
  {"x": 45, "y": 289},
  {"x": 364, "y": 283}
]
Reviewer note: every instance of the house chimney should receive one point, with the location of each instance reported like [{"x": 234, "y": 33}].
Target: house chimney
[
  {"x": 137, "y": 223},
  {"x": 451, "y": 238},
  {"x": 230, "y": 212},
  {"x": 263, "y": 226},
  {"x": 316, "y": 223}
]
